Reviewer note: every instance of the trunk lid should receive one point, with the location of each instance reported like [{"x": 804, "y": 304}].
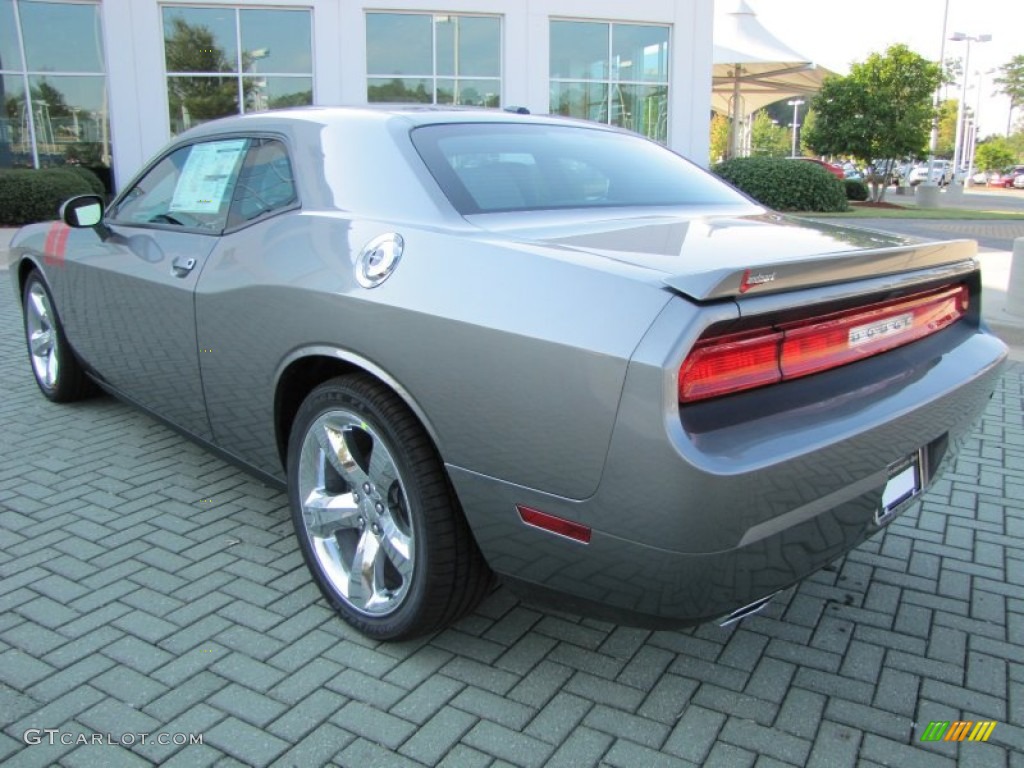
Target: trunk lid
[{"x": 716, "y": 256}]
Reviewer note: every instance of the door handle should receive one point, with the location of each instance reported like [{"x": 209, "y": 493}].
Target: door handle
[{"x": 181, "y": 266}]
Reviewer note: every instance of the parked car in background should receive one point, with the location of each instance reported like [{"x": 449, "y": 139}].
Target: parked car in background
[
  {"x": 1006, "y": 177},
  {"x": 900, "y": 172},
  {"x": 980, "y": 178},
  {"x": 832, "y": 168},
  {"x": 942, "y": 173},
  {"x": 851, "y": 172},
  {"x": 470, "y": 342},
  {"x": 1018, "y": 181},
  {"x": 884, "y": 171}
]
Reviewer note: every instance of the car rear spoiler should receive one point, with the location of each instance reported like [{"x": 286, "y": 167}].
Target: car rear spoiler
[{"x": 777, "y": 277}]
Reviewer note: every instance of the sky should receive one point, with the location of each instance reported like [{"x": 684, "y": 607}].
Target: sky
[{"x": 835, "y": 33}]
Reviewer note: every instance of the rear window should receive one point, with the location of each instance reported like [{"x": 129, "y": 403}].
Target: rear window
[{"x": 492, "y": 167}]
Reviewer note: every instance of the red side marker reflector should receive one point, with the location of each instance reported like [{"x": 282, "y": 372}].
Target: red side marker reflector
[{"x": 555, "y": 524}]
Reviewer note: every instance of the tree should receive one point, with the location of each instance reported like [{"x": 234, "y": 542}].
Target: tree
[
  {"x": 395, "y": 91},
  {"x": 1011, "y": 83},
  {"x": 719, "y": 137},
  {"x": 808, "y": 127},
  {"x": 947, "y": 128},
  {"x": 994, "y": 154},
  {"x": 767, "y": 138},
  {"x": 192, "y": 48},
  {"x": 952, "y": 71},
  {"x": 882, "y": 109},
  {"x": 1016, "y": 143},
  {"x": 296, "y": 99},
  {"x": 45, "y": 93}
]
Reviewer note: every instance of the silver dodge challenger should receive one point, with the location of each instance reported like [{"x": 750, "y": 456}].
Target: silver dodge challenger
[{"x": 473, "y": 343}]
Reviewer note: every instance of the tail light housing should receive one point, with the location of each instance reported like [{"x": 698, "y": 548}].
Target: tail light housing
[{"x": 721, "y": 364}]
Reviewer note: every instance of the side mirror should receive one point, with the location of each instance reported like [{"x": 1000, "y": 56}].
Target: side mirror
[{"x": 82, "y": 211}]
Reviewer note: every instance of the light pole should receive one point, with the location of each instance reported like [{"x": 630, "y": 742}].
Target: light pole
[
  {"x": 260, "y": 100},
  {"x": 929, "y": 197},
  {"x": 973, "y": 143},
  {"x": 958, "y": 153},
  {"x": 795, "y": 104}
]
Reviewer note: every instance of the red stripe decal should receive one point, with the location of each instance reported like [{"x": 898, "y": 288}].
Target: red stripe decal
[{"x": 56, "y": 244}]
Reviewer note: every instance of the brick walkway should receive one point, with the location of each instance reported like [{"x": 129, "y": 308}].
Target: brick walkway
[{"x": 148, "y": 587}]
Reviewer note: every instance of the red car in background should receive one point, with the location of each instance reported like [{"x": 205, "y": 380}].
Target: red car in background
[
  {"x": 1006, "y": 177},
  {"x": 832, "y": 168}
]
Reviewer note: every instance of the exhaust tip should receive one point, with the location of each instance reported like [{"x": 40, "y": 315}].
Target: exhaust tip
[{"x": 751, "y": 609}]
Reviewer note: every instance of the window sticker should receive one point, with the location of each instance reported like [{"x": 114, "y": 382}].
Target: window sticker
[{"x": 204, "y": 179}]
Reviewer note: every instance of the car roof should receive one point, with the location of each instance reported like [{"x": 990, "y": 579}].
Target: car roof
[
  {"x": 370, "y": 141},
  {"x": 412, "y": 114}
]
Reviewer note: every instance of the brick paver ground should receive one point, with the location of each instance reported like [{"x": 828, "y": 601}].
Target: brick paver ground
[{"x": 150, "y": 588}]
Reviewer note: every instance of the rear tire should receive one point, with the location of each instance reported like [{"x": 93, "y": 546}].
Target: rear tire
[
  {"x": 377, "y": 520},
  {"x": 54, "y": 366}
]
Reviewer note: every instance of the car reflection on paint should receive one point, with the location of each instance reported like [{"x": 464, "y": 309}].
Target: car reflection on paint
[{"x": 473, "y": 343}]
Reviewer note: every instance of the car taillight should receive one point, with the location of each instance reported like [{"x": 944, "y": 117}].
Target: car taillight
[{"x": 723, "y": 364}]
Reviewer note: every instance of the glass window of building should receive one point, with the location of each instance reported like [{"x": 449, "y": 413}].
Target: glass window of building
[
  {"x": 433, "y": 58},
  {"x": 611, "y": 73},
  {"x": 53, "y": 90},
  {"x": 226, "y": 60}
]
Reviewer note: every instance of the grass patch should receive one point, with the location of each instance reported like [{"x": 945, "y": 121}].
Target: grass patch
[{"x": 911, "y": 212}]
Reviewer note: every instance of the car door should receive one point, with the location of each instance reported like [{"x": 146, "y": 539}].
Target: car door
[
  {"x": 134, "y": 317},
  {"x": 244, "y": 303}
]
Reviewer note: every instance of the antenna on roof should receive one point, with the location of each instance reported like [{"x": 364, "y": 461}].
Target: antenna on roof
[{"x": 516, "y": 110}]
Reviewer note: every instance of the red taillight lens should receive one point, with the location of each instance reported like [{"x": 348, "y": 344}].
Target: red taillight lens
[
  {"x": 727, "y": 364},
  {"x": 861, "y": 333},
  {"x": 720, "y": 365}
]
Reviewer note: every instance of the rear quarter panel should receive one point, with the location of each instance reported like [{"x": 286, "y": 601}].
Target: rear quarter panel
[{"x": 514, "y": 356}]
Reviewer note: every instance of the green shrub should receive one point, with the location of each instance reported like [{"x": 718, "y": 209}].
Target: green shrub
[
  {"x": 785, "y": 185},
  {"x": 95, "y": 183},
  {"x": 27, "y": 196},
  {"x": 856, "y": 190}
]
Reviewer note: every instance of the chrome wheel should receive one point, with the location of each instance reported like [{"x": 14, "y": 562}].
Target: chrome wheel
[
  {"x": 375, "y": 514},
  {"x": 41, "y": 330},
  {"x": 355, "y": 513}
]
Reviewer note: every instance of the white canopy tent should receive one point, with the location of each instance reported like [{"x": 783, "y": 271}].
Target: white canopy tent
[{"x": 753, "y": 68}]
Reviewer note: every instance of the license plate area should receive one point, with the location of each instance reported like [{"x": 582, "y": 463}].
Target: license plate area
[{"x": 905, "y": 481}]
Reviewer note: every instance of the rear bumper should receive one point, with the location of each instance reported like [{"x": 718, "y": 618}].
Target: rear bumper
[
  {"x": 629, "y": 582},
  {"x": 700, "y": 513}
]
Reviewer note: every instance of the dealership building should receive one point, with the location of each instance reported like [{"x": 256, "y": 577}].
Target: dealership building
[{"x": 107, "y": 82}]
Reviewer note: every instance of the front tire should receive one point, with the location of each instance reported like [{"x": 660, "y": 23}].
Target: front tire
[
  {"x": 377, "y": 520},
  {"x": 56, "y": 369}
]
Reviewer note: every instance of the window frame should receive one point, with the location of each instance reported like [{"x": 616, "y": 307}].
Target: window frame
[
  {"x": 433, "y": 77},
  {"x": 609, "y": 82},
  {"x": 237, "y": 74},
  {"x": 22, "y": 71},
  {"x": 108, "y": 214}
]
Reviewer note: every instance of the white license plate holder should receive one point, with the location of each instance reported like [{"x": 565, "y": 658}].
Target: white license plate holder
[{"x": 904, "y": 483}]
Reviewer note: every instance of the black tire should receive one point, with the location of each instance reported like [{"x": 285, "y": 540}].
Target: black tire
[
  {"x": 56, "y": 370},
  {"x": 405, "y": 505}
]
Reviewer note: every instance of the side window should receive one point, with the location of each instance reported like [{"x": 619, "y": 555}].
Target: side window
[
  {"x": 192, "y": 187},
  {"x": 265, "y": 184}
]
